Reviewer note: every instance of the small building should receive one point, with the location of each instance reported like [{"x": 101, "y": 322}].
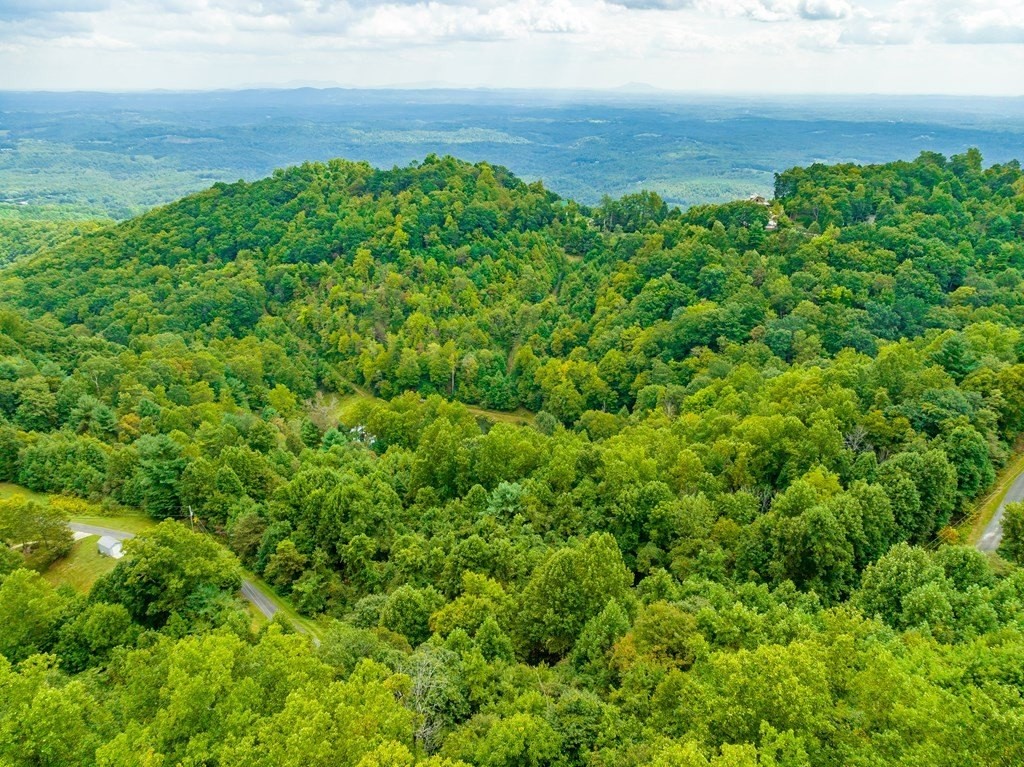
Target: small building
[{"x": 110, "y": 547}]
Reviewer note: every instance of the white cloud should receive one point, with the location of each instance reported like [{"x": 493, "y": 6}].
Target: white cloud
[
  {"x": 997, "y": 22},
  {"x": 819, "y": 10},
  {"x": 693, "y": 44},
  {"x": 992, "y": 34},
  {"x": 653, "y": 5}
]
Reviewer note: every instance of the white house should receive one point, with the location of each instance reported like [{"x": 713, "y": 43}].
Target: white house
[{"x": 110, "y": 547}]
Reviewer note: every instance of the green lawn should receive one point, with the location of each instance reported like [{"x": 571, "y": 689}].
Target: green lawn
[
  {"x": 128, "y": 520},
  {"x": 84, "y": 565},
  {"x": 9, "y": 490},
  {"x": 81, "y": 567}
]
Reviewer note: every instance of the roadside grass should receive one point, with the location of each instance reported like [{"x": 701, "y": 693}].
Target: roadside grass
[
  {"x": 81, "y": 568},
  {"x": 285, "y": 608},
  {"x": 974, "y": 524},
  {"x": 126, "y": 521},
  {"x": 257, "y": 619}
]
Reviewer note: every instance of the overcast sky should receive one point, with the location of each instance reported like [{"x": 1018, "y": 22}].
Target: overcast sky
[{"x": 744, "y": 46}]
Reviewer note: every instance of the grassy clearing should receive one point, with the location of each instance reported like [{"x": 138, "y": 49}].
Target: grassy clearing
[
  {"x": 345, "y": 409},
  {"x": 974, "y": 525},
  {"x": 9, "y": 490},
  {"x": 84, "y": 512},
  {"x": 81, "y": 567},
  {"x": 520, "y": 417}
]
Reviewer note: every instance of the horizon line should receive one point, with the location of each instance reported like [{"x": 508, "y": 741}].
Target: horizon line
[{"x": 638, "y": 89}]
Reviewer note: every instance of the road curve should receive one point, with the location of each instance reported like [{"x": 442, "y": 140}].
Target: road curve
[
  {"x": 249, "y": 590},
  {"x": 993, "y": 535}
]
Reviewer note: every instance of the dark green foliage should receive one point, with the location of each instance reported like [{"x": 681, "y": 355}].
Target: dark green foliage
[{"x": 159, "y": 471}]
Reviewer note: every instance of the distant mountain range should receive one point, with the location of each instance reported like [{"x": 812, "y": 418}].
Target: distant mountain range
[{"x": 117, "y": 154}]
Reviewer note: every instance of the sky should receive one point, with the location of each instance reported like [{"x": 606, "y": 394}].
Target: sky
[{"x": 705, "y": 46}]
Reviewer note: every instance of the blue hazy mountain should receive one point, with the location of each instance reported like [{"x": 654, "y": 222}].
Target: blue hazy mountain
[{"x": 74, "y": 154}]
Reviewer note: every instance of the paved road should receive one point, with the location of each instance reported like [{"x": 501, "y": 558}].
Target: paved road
[
  {"x": 259, "y": 599},
  {"x": 993, "y": 534},
  {"x": 249, "y": 590},
  {"x": 117, "y": 535}
]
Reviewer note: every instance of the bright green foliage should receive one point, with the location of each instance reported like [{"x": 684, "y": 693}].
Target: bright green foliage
[
  {"x": 46, "y": 724},
  {"x": 407, "y": 611},
  {"x": 10, "y": 560},
  {"x": 93, "y": 634},
  {"x": 521, "y": 739},
  {"x": 169, "y": 570},
  {"x": 482, "y": 599},
  {"x": 39, "y": 532},
  {"x": 717, "y": 541},
  {"x": 30, "y": 615},
  {"x": 1012, "y": 545},
  {"x": 328, "y": 728},
  {"x": 569, "y": 589}
]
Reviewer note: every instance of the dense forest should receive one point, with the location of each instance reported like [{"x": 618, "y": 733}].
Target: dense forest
[{"x": 720, "y": 530}]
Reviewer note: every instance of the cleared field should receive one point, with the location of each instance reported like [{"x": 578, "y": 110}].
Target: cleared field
[
  {"x": 87, "y": 513},
  {"x": 81, "y": 567},
  {"x": 344, "y": 409},
  {"x": 10, "y": 490}
]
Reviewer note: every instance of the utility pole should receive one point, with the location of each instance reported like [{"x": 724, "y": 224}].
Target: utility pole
[{"x": 191, "y": 518}]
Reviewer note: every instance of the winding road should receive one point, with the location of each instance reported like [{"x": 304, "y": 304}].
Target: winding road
[
  {"x": 250, "y": 591},
  {"x": 993, "y": 535}
]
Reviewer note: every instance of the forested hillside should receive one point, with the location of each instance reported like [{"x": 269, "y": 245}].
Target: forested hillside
[{"x": 728, "y": 537}]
